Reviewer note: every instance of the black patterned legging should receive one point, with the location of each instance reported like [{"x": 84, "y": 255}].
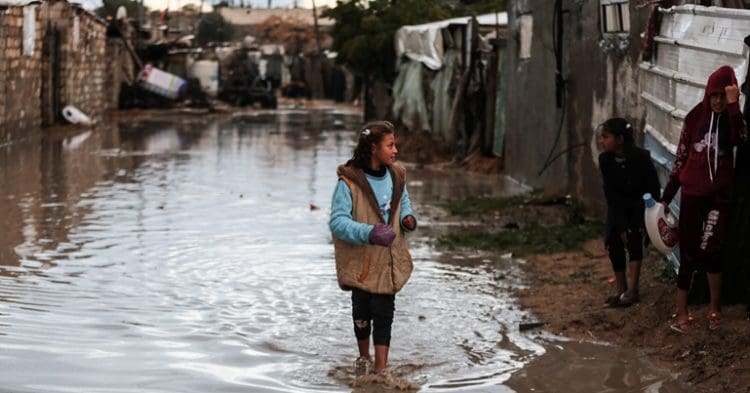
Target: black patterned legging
[
  {"x": 376, "y": 310},
  {"x": 616, "y": 249}
]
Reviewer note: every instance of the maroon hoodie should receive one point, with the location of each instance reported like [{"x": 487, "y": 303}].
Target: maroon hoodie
[{"x": 704, "y": 159}]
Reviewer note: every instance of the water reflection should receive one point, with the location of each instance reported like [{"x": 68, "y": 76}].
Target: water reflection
[{"x": 176, "y": 255}]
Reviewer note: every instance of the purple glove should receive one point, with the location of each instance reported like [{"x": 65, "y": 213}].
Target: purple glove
[{"x": 382, "y": 235}]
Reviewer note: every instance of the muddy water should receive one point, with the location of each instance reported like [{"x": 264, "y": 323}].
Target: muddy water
[{"x": 194, "y": 256}]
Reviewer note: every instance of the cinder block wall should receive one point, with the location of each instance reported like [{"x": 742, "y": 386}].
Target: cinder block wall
[
  {"x": 20, "y": 81},
  {"x": 83, "y": 67},
  {"x": 83, "y": 59}
]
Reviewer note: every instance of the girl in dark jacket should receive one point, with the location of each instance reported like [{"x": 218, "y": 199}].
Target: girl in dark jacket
[
  {"x": 627, "y": 174},
  {"x": 703, "y": 168}
]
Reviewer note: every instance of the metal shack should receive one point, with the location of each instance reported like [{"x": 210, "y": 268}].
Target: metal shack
[{"x": 450, "y": 81}]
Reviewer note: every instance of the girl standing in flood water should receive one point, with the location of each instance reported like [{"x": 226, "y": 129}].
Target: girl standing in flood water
[{"x": 370, "y": 213}]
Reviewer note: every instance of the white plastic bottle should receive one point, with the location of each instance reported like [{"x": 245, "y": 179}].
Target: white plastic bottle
[
  {"x": 75, "y": 116},
  {"x": 661, "y": 227}
]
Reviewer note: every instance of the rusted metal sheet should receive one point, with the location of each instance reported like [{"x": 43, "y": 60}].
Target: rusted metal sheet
[{"x": 693, "y": 41}]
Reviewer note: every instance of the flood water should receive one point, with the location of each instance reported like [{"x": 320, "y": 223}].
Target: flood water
[{"x": 195, "y": 256}]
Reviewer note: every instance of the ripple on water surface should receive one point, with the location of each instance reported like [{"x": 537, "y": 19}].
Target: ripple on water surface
[{"x": 181, "y": 257}]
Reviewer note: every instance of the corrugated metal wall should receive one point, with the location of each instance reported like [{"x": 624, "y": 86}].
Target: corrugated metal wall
[{"x": 693, "y": 41}]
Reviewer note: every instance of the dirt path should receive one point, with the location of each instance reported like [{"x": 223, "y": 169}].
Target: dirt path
[{"x": 567, "y": 291}]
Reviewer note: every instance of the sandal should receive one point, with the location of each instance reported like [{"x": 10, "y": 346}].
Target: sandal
[
  {"x": 714, "y": 321},
  {"x": 683, "y": 327},
  {"x": 628, "y": 299},
  {"x": 613, "y": 301}
]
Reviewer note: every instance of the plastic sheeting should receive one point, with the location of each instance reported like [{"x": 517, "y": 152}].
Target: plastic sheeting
[
  {"x": 408, "y": 97},
  {"x": 207, "y": 72},
  {"x": 441, "y": 103},
  {"x": 499, "y": 126},
  {"x": 424, "y": 43}
]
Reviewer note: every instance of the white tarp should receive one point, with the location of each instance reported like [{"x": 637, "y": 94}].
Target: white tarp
[
  {"x": 207, "y": 72},
  {"x": 442, "y": 100},
  {"x": 693, "y": 41},
  {"x": 408, "y": 98},
  {"x": 424, "y": 43}
]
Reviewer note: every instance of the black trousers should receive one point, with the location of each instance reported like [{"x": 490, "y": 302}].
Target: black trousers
[{"x": 372, "y": 312}]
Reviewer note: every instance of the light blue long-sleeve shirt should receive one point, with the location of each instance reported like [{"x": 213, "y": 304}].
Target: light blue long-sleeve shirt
[{"x": 342, "y": 224}]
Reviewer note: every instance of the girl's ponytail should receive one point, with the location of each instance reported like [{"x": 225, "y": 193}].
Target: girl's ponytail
[
  {"x": 618, "y": 126},
  {"x": 370, "y": 133}
]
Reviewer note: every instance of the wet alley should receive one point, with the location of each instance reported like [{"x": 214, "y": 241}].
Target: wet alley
[{"x": 193, "y": 256}]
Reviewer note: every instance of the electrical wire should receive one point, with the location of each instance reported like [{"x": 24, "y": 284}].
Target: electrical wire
[{"x": 560, "y": 88}]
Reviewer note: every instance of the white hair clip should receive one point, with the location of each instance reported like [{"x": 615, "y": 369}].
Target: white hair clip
[
  {"x": 627, "y": 126},
  {"x": 366, "y": 132}
]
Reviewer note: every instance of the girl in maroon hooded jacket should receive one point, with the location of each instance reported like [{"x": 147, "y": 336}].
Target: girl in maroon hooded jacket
[{"x": 703, "y": 168}]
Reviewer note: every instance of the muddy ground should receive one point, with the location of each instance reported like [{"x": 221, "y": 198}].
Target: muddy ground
[
  {"x": 567, "y": 290},
  {"x": 569, "y": 276}
]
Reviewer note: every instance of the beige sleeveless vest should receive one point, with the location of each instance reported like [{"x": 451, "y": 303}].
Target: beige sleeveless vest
[{"x": 375, "y": 269}]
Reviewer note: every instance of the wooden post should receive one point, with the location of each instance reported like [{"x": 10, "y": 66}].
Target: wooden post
[
  {"x": 317, "y": 32},
  {"x": 463, "y": 84}
]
